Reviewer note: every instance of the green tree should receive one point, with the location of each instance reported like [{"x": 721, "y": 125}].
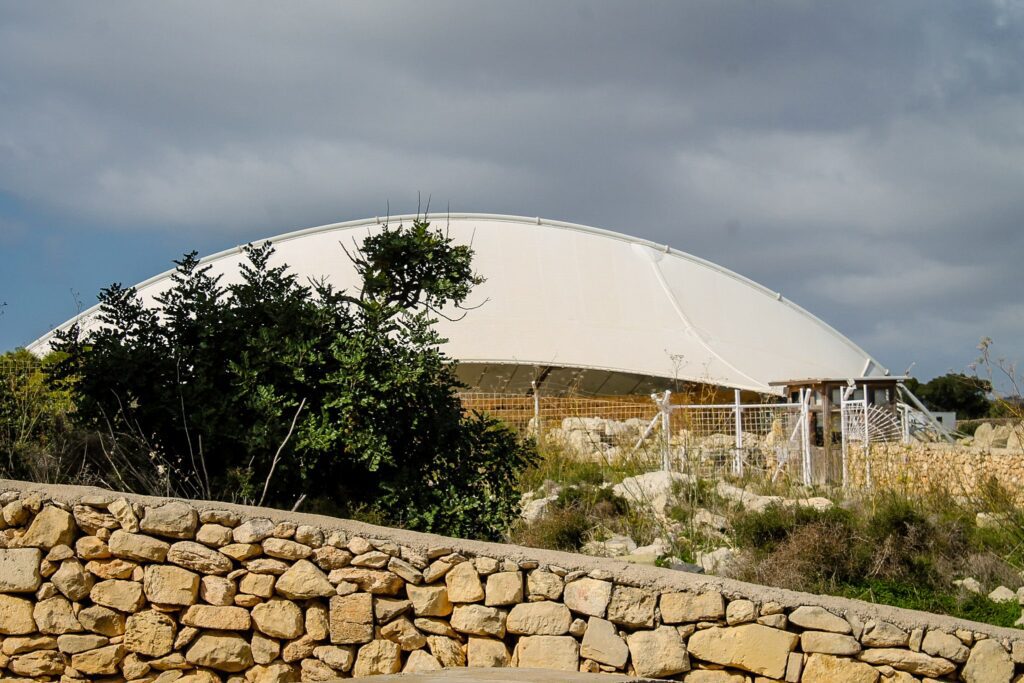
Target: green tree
[
  {"x": 966, "y": 395},
  {"x": 274, "y": 391}
]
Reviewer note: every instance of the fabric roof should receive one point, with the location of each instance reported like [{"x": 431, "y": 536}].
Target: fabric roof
[{"x": 565, "y": 295}]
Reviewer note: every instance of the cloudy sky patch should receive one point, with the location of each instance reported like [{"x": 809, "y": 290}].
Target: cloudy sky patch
[{"x": 864, "y": 158}]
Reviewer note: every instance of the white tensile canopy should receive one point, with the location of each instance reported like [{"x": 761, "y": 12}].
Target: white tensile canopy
[{"x": 599, "y": 311}]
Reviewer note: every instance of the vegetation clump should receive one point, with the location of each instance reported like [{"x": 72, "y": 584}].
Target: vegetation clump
[{"x": 276, "y": 392}]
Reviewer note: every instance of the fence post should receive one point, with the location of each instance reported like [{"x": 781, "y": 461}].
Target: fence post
[
  {"x": 805, "y": 441},
  {"x": 842, "y": 430},
  {"x": 867, "y": 441},
  {"x": 737, "y": 465},
  {"x": 536, "y": 410},
  {"x": 666, "y": 430}
]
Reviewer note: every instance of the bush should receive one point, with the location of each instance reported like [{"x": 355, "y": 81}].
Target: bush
[
  {"x": 764, "y": 531},
  {"x": 274, "y": 392}
]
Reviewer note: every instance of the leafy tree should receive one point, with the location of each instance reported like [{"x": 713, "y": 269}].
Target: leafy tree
[
  {"x": 966, "y": 395},
  {"x": 32, "y": 415},
  {"x": 275, "y": 392}
]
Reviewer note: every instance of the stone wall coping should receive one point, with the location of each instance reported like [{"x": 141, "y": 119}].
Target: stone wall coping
[{"x": 654, "y": 578}]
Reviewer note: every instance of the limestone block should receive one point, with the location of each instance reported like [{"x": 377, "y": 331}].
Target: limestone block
[
  {"x": 122, "y": 511},
  {"x": 378, "y": 657},
  {"x": 328, "y": 557},
  {"x": 55, "y": 616},
  {"x": 91, "y": 548},
  {"x": 72, "y": 580},
  {"x": 740, "y": 612},
  {"x": 102, "y": 620},
  {"x": 545, "y": 618},
  {"x": 37, "y": 664},
  {"x": 199, "y": 558},
  {"x": 286, "y": 549},
  {"x": 828, "y": 643},
  {"x": 374, "y": 559},
  {"x": 304, "y": 580},
  {"x": 420, "y": 661},
  {"x": 241, "y": 551},
  {"x": 717, "y": 676},
  {"x": 99, "y": 662},
  {"x": 19, "y": 570},
  {"x": 946, "y": 645},
  {"x": 657, "y": 653},
  {"x": 221, "y": 651},
  {"x": 253, "y": 531},
  {"x": 405, "y": 570},
  {"x": 988, "y": 662},
  {"x": 315, "y": 670},
  {"x": 15, "y": 615},
  {"x": 317, "y": 621},
  {"x": 264, "y": 649},
  {"x": 90, "y": 520},
  {"x": 504, "y": 588},
  {"x": 602, "y": 643},
  {"x": 137, "y": 547},
  {"x": 51, "y": 527},
  {"x": 487, "y": 653},
  {"x": 386, "y": 609},
  {"x": 818, "y": 619},
  {"x": 149, "y": 633},
  {"x": 279, "y": 619},
  {"x": 542, "y": 585},
  {"x": 751, "y": 647},
  {"x": 463, "y": 583},
  {"x": 124, "y": 596},
  {"x": 561, "y": 653},
  {"x": 257, "y": 584},
  {"x": 402, "y": 632},
  {"x": 478, "y": 620},
  {"x": 351, "y": 619},
  {"x": 217, "y": 590},
  {"x": 884, "y": 634},
  {"x": 632, "y": 607},
  {"x": 173, "y": 520},
  {"x": 822, "y": 668},
  {"x": 220, "y": 618},
  {"x": 370, "y": 580},
  {"x": 917, "y": 663},
  {"x": 73, "y": 643},
  {"x": 588, "y": 596},
  {"x": 167, "y": 585},
  {"x": 214, "y": 535},
  {"x": 429, "y": 601},
  {"x": 17, "y": 645},
  {"x": 297, "y": 649},
  {"x": 339, "y": 658},
  {"x": 113, "y": 568},
  {"x": 447, "y": 651},
  {"x": 684, "y": 608}
]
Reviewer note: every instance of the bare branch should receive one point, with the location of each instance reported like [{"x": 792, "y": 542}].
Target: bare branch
[{"x": 277, "y": 456}]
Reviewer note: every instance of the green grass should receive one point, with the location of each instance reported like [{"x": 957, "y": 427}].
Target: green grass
[{"x": 909, "y": 596}]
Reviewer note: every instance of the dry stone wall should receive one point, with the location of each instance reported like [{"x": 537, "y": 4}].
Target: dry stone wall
[
  {"x": 954, "y": 467},
  {"x": 101, "y": 587}
]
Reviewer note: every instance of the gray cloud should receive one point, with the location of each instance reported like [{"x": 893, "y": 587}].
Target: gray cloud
[{"x": 862, "y": 157}]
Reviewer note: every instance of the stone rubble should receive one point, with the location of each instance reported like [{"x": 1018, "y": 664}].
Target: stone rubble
[{"x": 106, "y": 589}]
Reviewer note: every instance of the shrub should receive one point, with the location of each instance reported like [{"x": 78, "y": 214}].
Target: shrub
[
  {"x": 763, "y": 531},
  {"x": 274, "y": 392}
]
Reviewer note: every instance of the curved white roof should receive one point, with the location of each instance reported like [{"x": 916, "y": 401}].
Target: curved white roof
[{"x": 569, "y": 296}]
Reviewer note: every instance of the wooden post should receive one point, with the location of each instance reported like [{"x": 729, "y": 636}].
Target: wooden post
[{"x": 828, "y": 474}]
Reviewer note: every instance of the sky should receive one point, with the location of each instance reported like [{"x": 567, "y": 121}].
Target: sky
[{"x": 864, "y": 158}]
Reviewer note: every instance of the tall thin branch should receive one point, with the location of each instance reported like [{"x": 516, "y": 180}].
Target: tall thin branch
[{"x": 277, "y": 456}]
